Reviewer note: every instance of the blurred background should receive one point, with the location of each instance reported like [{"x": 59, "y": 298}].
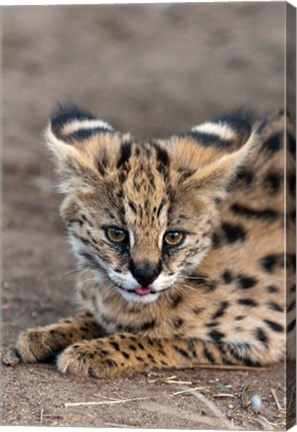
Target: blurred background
[{"x": 152, "y": 70}]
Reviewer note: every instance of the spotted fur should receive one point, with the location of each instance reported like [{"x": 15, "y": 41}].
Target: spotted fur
[{"x": 218, "y": 296}]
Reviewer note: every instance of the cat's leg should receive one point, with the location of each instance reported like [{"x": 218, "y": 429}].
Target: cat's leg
[
  {"x": 43, "y": 343},
  {"x": 125, "y": 352}
]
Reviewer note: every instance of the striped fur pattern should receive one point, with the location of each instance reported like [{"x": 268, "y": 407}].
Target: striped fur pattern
[{"x": 184, "y": 245}]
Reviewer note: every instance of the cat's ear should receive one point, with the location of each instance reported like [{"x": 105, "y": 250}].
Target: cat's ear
[
  {"x": 77, "y": 140},
  {"x": 210, "y": 155}
]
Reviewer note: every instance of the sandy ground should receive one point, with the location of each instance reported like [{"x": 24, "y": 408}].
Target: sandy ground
[{"x": 153, "y": 70}]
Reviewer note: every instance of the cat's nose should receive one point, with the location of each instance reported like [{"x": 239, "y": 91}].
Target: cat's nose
[{"x": 146, "y": 274}]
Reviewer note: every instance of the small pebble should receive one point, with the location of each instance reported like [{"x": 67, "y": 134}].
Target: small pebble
[{"x": 256, "y": 403}]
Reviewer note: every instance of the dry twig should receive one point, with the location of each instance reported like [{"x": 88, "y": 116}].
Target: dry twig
[
  {"x": 279, "y": 407},
  {"x": 228, "y": 395},
  {"x": 108, "y": 402},
  {"x": 41, "y": 416}
]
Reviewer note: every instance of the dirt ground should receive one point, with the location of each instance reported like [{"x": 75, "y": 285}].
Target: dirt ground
[{"x": 152, "y": 70}]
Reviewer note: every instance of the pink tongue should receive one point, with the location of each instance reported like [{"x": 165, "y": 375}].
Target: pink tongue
[{"x": 143, "y": 290}]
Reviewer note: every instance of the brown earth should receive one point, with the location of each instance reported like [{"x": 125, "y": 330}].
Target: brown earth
[{"x": 153, "y": 70}]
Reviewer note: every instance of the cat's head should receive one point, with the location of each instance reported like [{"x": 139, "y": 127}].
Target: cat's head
[{"x": 142, "y": 215}]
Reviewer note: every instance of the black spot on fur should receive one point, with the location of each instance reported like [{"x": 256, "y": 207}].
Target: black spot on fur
[
  {"x": 115, "y": 345},
  {"x": 239, "y": 317},
  {"x": 203, "y": 281},
  {"x": 147, "y": 326},
  {"x": 198, "y": 309},
  {"x": 227, "y": 277},
  {"x": 88, "y": 257},
  {"x": 132, "y": 207},
  {"x": 272, "y": 182},
  {"x": 132, "y": 347},
  {"x": 84, "y": 241},
  {"x": 221, "y": 310},
  {"x": 181, "y": 351},
  {"x": 140, "y": 346},
  {"x": 291, "y": 261},
  {"x": 272, "y": 289},
  {"x": 126, "y": 355},
  {"x": 215, "y": 239},
  {"x": 291, "y": 142},
  {"x": 162, "y": 155},
  {"x": 247, "y": 302},
  {"x": 248, "y": 212},
  {"x": 212, "y": 324},
  {"x": 291, "y": 326},
  {"x": 273, "y": 143},
  {"x": 261, "y": 336},
  {"x": 160, "y": 208},
  {"x": 245, "y": 282},
  {"x": 209, "y": 356},
  {"x": 292, "y": 306},
  {"x": 125, "y": 154},
  {"x": 175, "y": 300},
  {"x": 177, "y": 322},
  {"x": 233, "y": 233},
  {"x": 216, "y": 336},
  {"x": 275, "y": 307},
  {"x": 244, "y": 176},
  {"x": 152, "y": 359},
  {"x": 72, "y": 221},
  {"x": 270, "y": 262},
  {"x": 274, "y": 326}
]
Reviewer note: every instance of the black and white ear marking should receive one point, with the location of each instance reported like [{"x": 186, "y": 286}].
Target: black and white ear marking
[
  {"x": 75, "y": 156},
  {"x": 69, "y": 123},
  {"x": 226, "y": 132}
]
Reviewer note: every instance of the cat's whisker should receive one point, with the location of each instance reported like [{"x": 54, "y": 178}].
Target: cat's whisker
[
  {"x": 68, "y": 273},
  {"x": 187, "y": 287},
  {"x": 87, "y": 280}
]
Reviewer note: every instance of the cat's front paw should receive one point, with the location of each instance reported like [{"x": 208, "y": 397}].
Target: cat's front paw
[
  {"x": 90, "y": 358},
  {"x": 38, "y": 344}
]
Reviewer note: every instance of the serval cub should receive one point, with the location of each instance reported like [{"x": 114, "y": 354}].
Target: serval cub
[{"x": 180, "y": 245}]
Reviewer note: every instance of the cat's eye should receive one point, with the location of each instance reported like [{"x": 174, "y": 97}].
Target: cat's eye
[
  {"x": 173, "y": 238},
  {"x": 116, "y": 235}
]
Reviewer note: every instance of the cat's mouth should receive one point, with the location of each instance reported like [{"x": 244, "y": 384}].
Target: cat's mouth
[
  {"x": 142, "y": 294},
  {"x": 141, "y": 291},
  {"x": 144, "y": 291}
]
